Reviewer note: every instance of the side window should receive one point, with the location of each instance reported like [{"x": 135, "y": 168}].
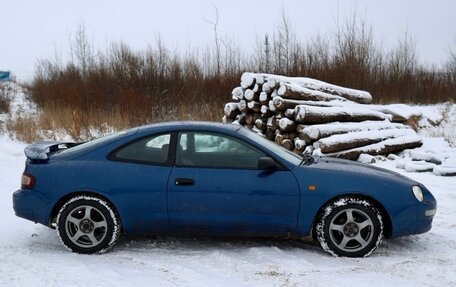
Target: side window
[
  {"x": 152, "y": 149},
  {"x": 215, "y": 150}
]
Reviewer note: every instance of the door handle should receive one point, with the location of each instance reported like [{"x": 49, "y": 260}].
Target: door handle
[{"x": 184, "y": 181}]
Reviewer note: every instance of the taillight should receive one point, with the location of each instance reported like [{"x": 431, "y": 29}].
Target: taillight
[{"x": 27, "y": 181}]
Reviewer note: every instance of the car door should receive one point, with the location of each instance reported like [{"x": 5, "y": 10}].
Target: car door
[{"x": 216, "y": 185}]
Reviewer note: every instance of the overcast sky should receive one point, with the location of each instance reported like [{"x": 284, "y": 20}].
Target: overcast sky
[{"x": 32, "y": 30}]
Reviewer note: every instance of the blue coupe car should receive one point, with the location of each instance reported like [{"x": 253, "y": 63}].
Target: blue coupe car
[{"x": 208, "y": 178}]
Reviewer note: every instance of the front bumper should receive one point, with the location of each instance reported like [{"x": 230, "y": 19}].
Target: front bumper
[
  {"x": 416, "y": 218},
  {"x": 424, "y": 215}
]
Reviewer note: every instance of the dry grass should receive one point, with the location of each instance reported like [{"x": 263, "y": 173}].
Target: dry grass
[
  {"x": 59, "y": 123},
  {"x": 121, "y": 88},
  {"x": 24, "y": 128}
]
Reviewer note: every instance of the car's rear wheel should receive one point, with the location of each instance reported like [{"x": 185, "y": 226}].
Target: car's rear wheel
[
  {"x": 88, "y": 225},
  {"x": 350, "y": 227}
]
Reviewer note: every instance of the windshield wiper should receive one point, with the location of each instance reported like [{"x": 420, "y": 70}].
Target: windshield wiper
[{"x": 306, "y": 159}]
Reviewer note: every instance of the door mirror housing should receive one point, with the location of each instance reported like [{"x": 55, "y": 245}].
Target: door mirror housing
[{"x": 267, "y": 163}]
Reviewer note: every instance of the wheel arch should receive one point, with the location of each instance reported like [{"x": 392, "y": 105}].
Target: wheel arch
[
  {"x": 59, "y": 204},
  {"x": 387, "y": 228}
]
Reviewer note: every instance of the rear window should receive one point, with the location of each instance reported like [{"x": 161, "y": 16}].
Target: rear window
[{"x": 92, "y": 143}]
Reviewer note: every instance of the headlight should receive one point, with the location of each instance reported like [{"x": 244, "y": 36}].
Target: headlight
[{"x": 418, "y": 193}]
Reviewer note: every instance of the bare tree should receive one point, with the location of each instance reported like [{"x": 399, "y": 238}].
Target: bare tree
[
  {"x": 283, "y": 45},
  {"x": 451, "y": 66},
  {"x": 81, "y": 49},
  {"x": 403, "y": 59},
  {"x": 317, "y": 56},
  {"x": 214, "y": 23}
]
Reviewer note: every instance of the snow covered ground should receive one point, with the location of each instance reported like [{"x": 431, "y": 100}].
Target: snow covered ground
[{"x": 31, "y": 255}]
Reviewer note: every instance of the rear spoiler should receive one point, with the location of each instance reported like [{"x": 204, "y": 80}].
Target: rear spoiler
[{"x": 41, "y": 150}]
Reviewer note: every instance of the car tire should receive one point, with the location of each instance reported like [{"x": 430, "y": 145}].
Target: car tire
[
  {"x": 350, "y": 227},
  {"x": 88, "y": 225}
]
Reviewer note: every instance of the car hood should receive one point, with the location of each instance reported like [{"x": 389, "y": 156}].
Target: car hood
[{"x": 360, "y": 169}]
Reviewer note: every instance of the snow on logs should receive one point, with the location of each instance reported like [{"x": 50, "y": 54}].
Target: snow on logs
[{"x": 307, "y": 115}]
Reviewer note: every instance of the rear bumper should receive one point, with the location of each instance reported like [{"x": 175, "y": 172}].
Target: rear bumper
[{"x": 28, "y": 205}]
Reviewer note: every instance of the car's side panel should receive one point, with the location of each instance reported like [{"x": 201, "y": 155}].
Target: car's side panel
[
  {"x": 233, "y": 200},
  {"x": 138, "y": 192},
  {"x": 400, "y": 206}
]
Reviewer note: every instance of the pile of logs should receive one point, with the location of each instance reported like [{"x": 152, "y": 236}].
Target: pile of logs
[{"x": 311, "y": 116}]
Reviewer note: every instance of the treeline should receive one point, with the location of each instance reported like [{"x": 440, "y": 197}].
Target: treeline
[{"x": 123, "y": 87}]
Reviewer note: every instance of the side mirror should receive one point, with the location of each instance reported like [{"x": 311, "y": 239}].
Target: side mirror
[{"x": 267, "y": 163}]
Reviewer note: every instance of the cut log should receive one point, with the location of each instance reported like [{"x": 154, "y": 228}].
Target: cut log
[
  {"x": 294, "y": 91},
  {"x": 289, "y": 113},
  {"x": 382, "y": 148},
  {"x": 254, "y": 106},
  {"x": 256, "y": 88},
  {"x": 237, "y": 94},
  {"x": 272, "y": 123},
  {"x": 300, "y": 145},
  {"x": 247, "y": 80},
  {"x": 315, "y": 132},
  {"x": 358, "y": 96},
  {"x": 288, "y": 144},
  {"x": 264, "y": 98},
  {"x": 419, "y": 166},
  {"x": 259, "y": 79},
  {"x": 401, "y": 113},
  {"x": 260, "y": 124},
  {"x": 231, "y": 110},
  {"x": 445, "y": 170},
  {"x": 287, "y": 125},
  {"x": 249, "y": 95},
  {"x": 350, "y": 94},
  {"x": 242, "y": 106},
  {"x": 351, "y": 140},
  {"x": 274, "y": 93},
  {"x": 292, "y": 135},
  {"x": 271, "y": 106},
  {"x": 265, "y": 111},
  {"x": 270, "y": 134},
  {"x": 279, "y": 139},
  {"x": 240, "y": 119},
  {"x": 314, "y": 115},
  {"x": 269, "y": 85},
  {"x": 267, "y": 88},
  {"x": 309, "y": 149},
  {"x": 250, "y": 118},
  {"x": 282, "y": 104},
  {"x": 426, "y": 156}
]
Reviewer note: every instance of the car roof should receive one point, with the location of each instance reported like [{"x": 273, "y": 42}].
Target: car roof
[{"x": 177, "y": 125}]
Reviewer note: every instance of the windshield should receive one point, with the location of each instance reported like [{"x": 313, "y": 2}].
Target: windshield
[
  {"x": 94, "y": 142},
  {"x": 275, "y": 148}
]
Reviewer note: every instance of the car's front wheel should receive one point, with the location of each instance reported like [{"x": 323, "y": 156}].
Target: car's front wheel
[
  {"x": 88, "y": 225},
  {"x": 349, "y": 227}
]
